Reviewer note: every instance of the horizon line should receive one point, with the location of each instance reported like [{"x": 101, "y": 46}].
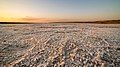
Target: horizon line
[{"x": 99, "y": 22}]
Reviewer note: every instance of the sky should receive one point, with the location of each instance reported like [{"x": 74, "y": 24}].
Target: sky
[{"x": 58, "y": 10}]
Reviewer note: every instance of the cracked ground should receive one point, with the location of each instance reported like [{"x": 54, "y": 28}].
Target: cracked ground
[{"x": 60, "y": 45}]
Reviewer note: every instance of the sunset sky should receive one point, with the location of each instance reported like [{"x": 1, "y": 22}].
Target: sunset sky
[{"x": 58, "y": 10}]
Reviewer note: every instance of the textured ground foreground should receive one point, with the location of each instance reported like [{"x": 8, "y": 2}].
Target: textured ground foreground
[{"x": 60, "y": 45}]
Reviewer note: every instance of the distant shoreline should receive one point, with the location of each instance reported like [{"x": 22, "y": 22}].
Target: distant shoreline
[
  {"x": 15, "y": 23},
  {"x": 91, "y": 22}
]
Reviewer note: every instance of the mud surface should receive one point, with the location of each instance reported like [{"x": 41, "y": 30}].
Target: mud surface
[{"x": 60, "y": 45}]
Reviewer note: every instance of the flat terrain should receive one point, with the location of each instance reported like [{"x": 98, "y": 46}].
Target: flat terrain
[{"x": 60, "y": 45}]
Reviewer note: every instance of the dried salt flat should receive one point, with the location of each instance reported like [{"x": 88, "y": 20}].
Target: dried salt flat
[{"x": 60, "y": 45}]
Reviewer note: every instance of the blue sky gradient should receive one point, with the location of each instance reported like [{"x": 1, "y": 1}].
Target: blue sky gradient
[{"x": 62, "y": 9}]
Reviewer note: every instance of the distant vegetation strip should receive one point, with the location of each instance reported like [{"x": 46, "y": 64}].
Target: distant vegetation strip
[
  {"x": 94, "y": 22},
  {"x": 15, "y": 23}
]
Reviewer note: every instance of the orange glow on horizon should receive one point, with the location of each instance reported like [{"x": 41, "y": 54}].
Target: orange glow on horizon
[
  {"x": 42, "y": 20},
  {"x": 32, "y": 19},
  {"x": 26, "y": 19}
]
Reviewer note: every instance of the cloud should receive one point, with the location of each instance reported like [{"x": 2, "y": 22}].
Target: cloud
[
  {"x": 34, "y": 19},
  {"x": 37, "y": 19}
]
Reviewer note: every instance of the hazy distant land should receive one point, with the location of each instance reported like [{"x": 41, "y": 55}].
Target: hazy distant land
[{"x": 94, "y": 22}]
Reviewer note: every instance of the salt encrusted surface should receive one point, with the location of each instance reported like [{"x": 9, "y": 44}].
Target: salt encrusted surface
[{"x": 60, "y": 45}]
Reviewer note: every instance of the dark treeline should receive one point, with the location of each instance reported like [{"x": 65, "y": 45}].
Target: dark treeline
[
  {"x": 95, "y": 22},
  {"x": 15, "y": 23}
]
